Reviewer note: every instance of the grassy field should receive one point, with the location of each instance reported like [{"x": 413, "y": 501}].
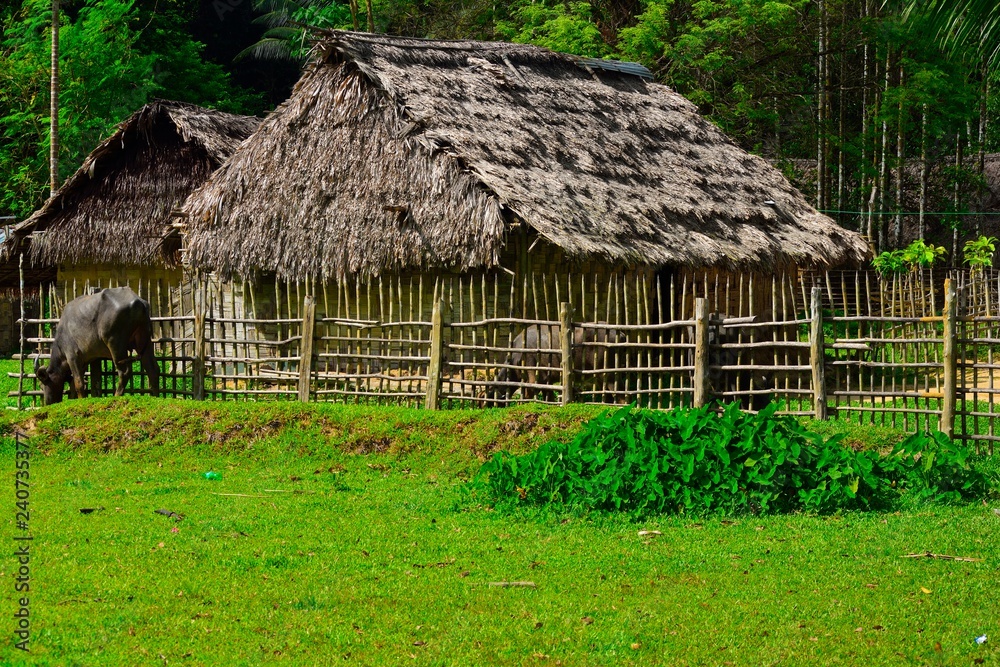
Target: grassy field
[{"x": 343, "y": 535}]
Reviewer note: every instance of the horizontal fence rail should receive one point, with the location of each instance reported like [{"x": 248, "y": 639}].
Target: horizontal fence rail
[{"x": 913, "y": 351}]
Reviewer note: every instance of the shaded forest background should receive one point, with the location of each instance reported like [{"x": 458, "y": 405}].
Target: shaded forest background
[{"x": 865, "y": 112}]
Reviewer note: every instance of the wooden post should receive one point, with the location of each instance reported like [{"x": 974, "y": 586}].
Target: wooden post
[
  {"x": 947, "y": 424},
  {"x": 432, "y": 401},
  {"x": 306, "y": 347},
  {"x": 816, "y": 358},
  {"x": 701, "y": 385},
  {"x": 566, "y": 339},
  {"x": 20, "y": 376},
  {"x": 198, "y": 370}
]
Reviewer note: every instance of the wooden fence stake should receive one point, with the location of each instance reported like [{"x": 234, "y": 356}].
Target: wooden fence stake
[
  {"x": 432, "y": 400},
  {"x": 306, "y": 347},
  {"x": 20, "y": 376},
  {"x": 947, "y": 425},
  {"x": 701, "y": 384},
  {"x": 198, "y": 371},
  {"x": 816, "y": 358},
  {"x": 566, "y": 338}
]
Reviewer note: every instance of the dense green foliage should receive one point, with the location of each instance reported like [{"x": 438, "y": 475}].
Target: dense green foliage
[
  {"x": 964, "y": 25},
  {"x": 693, "y": 460},
  {"x": 978, "y": 253},
  {"x": 115, "y": 56},
  {"x": 850, "y": 99},
  {"x": 919, "y": 254}
]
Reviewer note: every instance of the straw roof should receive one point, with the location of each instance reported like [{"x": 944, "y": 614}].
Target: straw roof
[
  {"x": 395, "y": 153},
  {"x": 114, "y": 208}
]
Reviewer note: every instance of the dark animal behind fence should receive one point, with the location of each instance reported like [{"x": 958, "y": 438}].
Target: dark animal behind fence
[
  {"x": 537, "y": 351},
  {"x": 725, "y": 349},
  {"x": 105, "y": 325}
]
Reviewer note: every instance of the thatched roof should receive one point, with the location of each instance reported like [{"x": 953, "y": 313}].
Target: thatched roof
[
  {"x": 12, "y": 271},
  {"x": 115, "y": 207},
  {"x": 396, "y": 153}
]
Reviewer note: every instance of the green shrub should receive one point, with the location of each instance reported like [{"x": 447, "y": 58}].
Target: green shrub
[
  {"x": 693, "y": 460},
  {"x": 934, "y": 467},
  {"x": 916, "y": 255},
  {"x": 978, "y": 253}
]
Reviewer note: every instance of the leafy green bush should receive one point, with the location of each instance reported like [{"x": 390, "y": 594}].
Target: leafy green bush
[
  {"x": 917, "y": 254},
  {"x": 889, "y": 262},
  {"x": 978, "y": 253},
  {"x": 934, "y": 467},
  {"x": 694, "y": 460}
]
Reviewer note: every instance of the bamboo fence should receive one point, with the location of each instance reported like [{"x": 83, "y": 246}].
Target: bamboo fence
[{"x": 913, "y": 352}]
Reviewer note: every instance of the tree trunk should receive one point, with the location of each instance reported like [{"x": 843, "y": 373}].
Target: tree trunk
[
  {"x": 371, "y": 15},
  {"x": 923, "y": 172},
  {"x": 821, "y": 109},
  {"x": 777, "y": 127},
  {"x": 883, "y": 169},
  {"x": 840, "y": 119},
  {"x": 897, "y": 226},
  {"x": 957, "y": 197},
  {"x": 54, "y": 104},
  {"x": 981, "y": 162},
  {"x": 865, "y": 113}
]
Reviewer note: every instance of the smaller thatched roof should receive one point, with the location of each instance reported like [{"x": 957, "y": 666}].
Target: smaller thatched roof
[
  {"x": 397, "y": 154},
  {"x": 12, "y": 272},
  {"x": 115, "y": 207}
]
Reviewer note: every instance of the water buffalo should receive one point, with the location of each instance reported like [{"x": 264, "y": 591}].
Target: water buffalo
[
  {"x": 105, "y": 325},
  {"x": 538, "y": 350},
  {"x": 737, "y": 380}
]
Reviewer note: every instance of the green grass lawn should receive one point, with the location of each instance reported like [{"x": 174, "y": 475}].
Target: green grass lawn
[{"x": 351, "y": 542}]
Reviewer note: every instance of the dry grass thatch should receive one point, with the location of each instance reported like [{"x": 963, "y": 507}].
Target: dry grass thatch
[
  {"x": 396, "y": 153},
  {"x": 115, "y": 207}
]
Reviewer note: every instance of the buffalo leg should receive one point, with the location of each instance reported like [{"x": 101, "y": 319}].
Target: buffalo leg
[
  {"x": 529, "y": 393},
  {"x": 95, "y": 377},
  {"x": 124, "y": 367},
  {"x": 122, "y": 363},
  {"x": 76, "y": 379},
  {"x": 498, "y": 394},
  {"x": 152, "y": 369}
]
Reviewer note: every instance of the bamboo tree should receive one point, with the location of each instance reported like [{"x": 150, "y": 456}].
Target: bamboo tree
[
  {"x": 883, "y": 175},
  {"x": 921, "y": 230},
  {"x": 841, "y": 133},
  {"x": 957, "y": 197},
  {"x": 54, "y": 104},
  {"x": 873, "y": 195},
  {"x": 981, "y": 162},
  {"x": 821, "y": 109},
  {"x": 897, "y": 225},
  {"x": 865, "y": 119}
]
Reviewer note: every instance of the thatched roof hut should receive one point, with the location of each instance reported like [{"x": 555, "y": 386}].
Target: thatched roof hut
[
  {"x": 114, "y": 209},
  {"x": 402, "y": 154}
]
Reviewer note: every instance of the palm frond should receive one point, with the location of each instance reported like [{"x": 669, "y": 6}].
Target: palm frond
[
  {"x": 961, "y": 25},
  {"x": 269, "y": 48}
]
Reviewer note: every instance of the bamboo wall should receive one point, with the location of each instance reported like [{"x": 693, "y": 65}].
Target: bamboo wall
[
  {"x": 9, "y": 337},
  {"x": 871, "y": 350}
]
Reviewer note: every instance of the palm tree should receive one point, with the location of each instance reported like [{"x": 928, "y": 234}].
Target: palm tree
[
  {"x": 963, "y": 25},
  {"x": 293, "y": 23}
]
